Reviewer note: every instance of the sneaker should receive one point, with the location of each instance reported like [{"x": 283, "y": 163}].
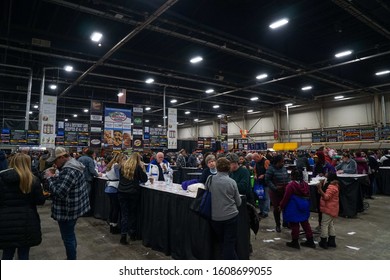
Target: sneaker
[{"x": 278, "y": 229}]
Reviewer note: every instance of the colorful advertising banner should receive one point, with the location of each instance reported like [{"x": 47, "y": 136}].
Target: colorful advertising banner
[
  {"x": 117, "y": 128},
  {"x": 5, "y": 136},
  {"x": 158, "y": 138},
  {"x": 138, "y": 132},
  {"x": 47, "y": 121},
  {"x": 172, "y": 128}
]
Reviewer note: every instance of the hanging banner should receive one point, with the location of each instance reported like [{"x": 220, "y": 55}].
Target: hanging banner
[
  {"x": 172, "y": 128},
  {"x": 117, "y": 127},
  {"x": 96, "y": 123},
  {"x": 138, "y": 131},
  {"x": 47, "y": 121}
]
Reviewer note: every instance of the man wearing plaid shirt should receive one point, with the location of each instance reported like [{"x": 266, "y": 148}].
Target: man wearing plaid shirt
[{"x": 69, "y": 195}]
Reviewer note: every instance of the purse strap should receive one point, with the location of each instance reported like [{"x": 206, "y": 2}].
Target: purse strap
[{"x": 208, "y": 182}]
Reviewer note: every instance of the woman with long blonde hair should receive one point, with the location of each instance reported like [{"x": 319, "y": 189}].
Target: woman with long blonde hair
[
  {"x": 20, "y": 192},
  {"x": 131, "y": 176},
  {"x": 112, "y": 175}
]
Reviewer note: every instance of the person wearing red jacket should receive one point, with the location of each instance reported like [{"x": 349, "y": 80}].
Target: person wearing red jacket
[{"x": 329, "y": 206}]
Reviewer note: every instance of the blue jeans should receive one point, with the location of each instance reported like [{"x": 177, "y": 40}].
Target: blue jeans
[
  {"x": 23, "y": 253},
  {"x": 68, "y": 235},
  {"x": 227, "y": 234},
  {"x": 264, "y": 204}
]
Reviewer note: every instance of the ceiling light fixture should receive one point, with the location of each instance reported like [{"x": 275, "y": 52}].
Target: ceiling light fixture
[
  {"x": 149, "y": 81},
  {"x": 146, "y": 121},
  {"x": 338, "y": 97},
  {"x": 147, "y": 108},
  {"x": 384, "y": 72},
  {"x": 85, "y": 110},
  {"x": 75, "y": 115},
  {"x": 278, "y": 23},
  {"x": 196, "y": 120},
  {"x": 120, "y": 94},
  {"x": 216, "y": 106},
  {"x": 68, "y": 68},
  {"x": 219, "y": 116},
  {"x": 173, "y": 100},
  {"x": 65, "y": 120},
  {"x": 288, "y": 104},
  {"x": 30, "y": 112},
  {"x": 307, "y": 88},
  {"x": 250, "y": 111},
  {"x": 53, "y": 87},
  {"x": 261, "y": 76},
  {"x": 210, "y": 90},
  {"x": 344, "y": 53},
  {"x": 254, "y": 98},
  {"x": 36, "y": 106},
  {"x": 159, "y": 125},
  {"x": 187, "y": 112},
  {"x": 196, "y": 59},
  {"x": 96, "y": 36}
]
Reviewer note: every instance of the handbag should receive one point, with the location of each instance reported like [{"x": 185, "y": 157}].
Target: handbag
[
  {"x": 202, "y": 202},
  {"x": 297, "y": 209}
]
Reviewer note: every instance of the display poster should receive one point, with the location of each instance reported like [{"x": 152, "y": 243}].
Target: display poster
[
  {"x": 351, "y": 134},
  {"x": 385, "y": 133},
  {"x": 158, "y": 138},
  {"x": 82, "y": 139},
  {"x": 95, "y": 140},
  {"x": 47, "y": 121},
  {"x": 172, "y": 128},
  {"x": 240, "y": 144},
  {"x": 138, "y": 131},
  {"x": 96, "y": 124},
  {"x": 60, "y": 139},
  {"x": 5, "y": 136},
  {"x": 33, "y": 137},
  {"x": 205, "y": 143},
  {"x": 333, "y": 135},
  {"x": 18, "y": 137},
  {"x": 318, "y": 136},
  {"x": 70, "y": 139},
  {"x": 368, "y": 134},
  {"x": 76, "y": 127},
  {"x": 117, "y": 128}
]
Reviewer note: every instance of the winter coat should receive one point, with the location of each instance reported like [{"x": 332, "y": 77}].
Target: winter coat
[
  {"x": 296, "y": 202},
  {"x": 69, "y": 192},
  {"x": 20, "y": 225},
  {"x": 329, "y": 203},
  {"x": 89, "y": 170},
  {"x": 132, "y": 186},
  {"x": 3, "y": 161}
]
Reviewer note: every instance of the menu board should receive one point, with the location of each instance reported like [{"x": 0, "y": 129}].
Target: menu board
[
  {"x": 33, "y": 137},
  {"x": 76, "y": 127},
  {"x": 70, "y": 139},
  {"x": 240, "y": 144},
  {"x": 385, "y": 133},
  {"x": 368, "y": 134},
  {"x": 158, "y": 138},
  {"x": 205, "y": 142},
  {"x": 5, "y": 136},
  {"x": 258, "y": 146},
  {"x": 18, "y": 137},
  {"x": 334, "y": 136}
]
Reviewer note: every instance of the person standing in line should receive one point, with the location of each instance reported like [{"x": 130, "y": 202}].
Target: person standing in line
[
  {"x": 225, "y": 200},
  {"x": 20, "y": 193},
  {"x": 132, "y": 174},
  {"x": 297, "y": 215},
  {"x": 330, "y": 211},
  {"x": 70, "y": 198},
  {"x": 209, "y": 170},
  {"x": 112, "y": 175},
  {"x": 261, "y": 166},
  {"x": 180, "y": 163},
  {"x": 276, "y": 179}
]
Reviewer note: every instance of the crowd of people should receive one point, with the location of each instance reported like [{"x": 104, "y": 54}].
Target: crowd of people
[{"x": 67, "y": 180}]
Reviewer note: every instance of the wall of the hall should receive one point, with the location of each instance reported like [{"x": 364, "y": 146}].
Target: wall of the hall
[{"x": 302, "y": 122}]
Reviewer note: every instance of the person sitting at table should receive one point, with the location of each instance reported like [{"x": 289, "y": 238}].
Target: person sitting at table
[
  {"x": 209, "y": 170},
  {"x": 330, "y": 209},
  {"x": 322, "y": 167},
  {"x": 347, "y": 165},
  {"x": 277, "y": 178},
  {"x": 131, "y": 176},
  {"x": 294, "y": 213},
  {"x": 158, "y": 167},
  {"x": 225, "y": 200}
]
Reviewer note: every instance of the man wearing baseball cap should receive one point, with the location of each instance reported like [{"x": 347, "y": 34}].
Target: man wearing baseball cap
[{"x": 69, "y": 197}]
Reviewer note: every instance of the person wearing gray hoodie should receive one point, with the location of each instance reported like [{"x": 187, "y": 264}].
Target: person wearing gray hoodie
[{"x": 69, "y": 195}]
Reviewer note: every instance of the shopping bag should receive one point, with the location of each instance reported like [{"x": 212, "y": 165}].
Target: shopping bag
[
  {"x": 202, "y": 204},
  {"x": 259, "y": 190}
]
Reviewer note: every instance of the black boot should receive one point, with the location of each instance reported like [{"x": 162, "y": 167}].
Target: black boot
[
  {"x": 133, "y": 236},
  {"x": 293, "y": 244},
  {"x": 123, "y": 240},
  {"x": 111, "y": 227},
  {"x": 308, "y": 243},
  {"x": 115, "y": 230},
  {"x": 323, "y": 243},
  {"x": 332, "y": 241}
]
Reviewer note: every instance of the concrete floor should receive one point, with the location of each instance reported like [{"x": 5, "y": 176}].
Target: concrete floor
[{"x": 368, "y": 234}]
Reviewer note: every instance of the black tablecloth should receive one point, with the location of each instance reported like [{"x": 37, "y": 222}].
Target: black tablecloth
[
  {"x": 314, "y": 197},
  {"x": 168, "y": 225},
  {"x": 101, "y": 199},
  {"x": 351, "y": 196},
  {"x": 384, "y": 181}
]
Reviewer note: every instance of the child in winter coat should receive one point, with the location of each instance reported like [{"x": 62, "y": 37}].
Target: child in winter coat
[
  {"x": 329, "y": 205},
  {"x": 296, "y": 210}
]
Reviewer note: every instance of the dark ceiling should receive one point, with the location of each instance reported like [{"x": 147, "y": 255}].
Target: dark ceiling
[{"x": 156, "y": 38}]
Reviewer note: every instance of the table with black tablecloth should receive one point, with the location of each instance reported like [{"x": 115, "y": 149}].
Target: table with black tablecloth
[
  {"x": 168, "y": 225},
  {"x": 351, "y": 194},
  {"x": 384, "y": 180},
  {"x": 101, "y": 201}
]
